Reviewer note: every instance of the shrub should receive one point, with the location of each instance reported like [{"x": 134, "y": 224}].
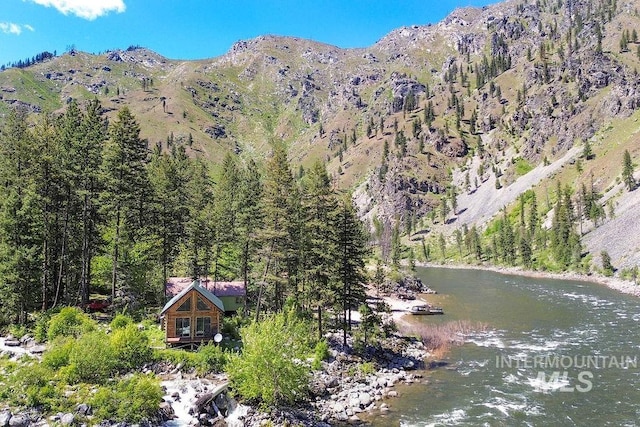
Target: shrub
[
  {"x": 120, "y": 321},
  {"x": 212, "y": 358},
  {"x": 91, "y": 359},
  {"x": 231, "y": 326},
  {"x": 270, "y": 368},
  {"x": 133, "y": 400},
  {"x": 42, "y": 324},
  {"x": 18, "y": 330},
  {"x": 130, "y": 347},
  {"x": 320, "y": 353},
  {"x": 69, "y": 322},
  {"x": 176, "y": 356},
  {"x": 31, "y": 386},
  {"x": 58, "y": 353},
  {"x": 367, "y": 368}
]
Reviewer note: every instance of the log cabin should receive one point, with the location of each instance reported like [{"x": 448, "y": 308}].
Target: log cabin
[{"x": 192, "y": 316}]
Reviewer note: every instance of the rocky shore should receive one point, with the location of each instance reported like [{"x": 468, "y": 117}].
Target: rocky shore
[
  {"x": 350, "y": 386},
  {"x": 347, "y": 389}
]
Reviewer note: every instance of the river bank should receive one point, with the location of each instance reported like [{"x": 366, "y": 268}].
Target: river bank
[
  {"x": 528, "y": 319},
  {"x": 624, "y": 286}
]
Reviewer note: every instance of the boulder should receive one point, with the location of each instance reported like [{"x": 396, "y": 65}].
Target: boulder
[
  {"x": 5, "y": 416},
  {"x": 83, "y": 409},
  {"x": 365, "y": 399},
  {"x": 19, "y": 420},
  {"x": 67, "y": 419}
]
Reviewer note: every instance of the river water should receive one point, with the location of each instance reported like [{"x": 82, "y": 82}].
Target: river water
[{"x": 557, "y": 353}]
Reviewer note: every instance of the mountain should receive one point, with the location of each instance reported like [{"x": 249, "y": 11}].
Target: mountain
[{"x": 492, "y": 102}]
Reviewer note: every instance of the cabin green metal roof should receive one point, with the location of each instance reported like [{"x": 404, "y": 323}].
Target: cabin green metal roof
[{"x": 195, "y": 285}]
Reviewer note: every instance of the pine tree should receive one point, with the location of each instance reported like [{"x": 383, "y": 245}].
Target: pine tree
[
  {"x": 249, "y": 217},
  {"x": 126, "y": 194},
  {"x": 351, "y": 243},
  {"x": 199, "y": 232},
  {"x": 318, "y": 244},
  {"x": 20, "y": 262},
  {"x": 82, "y": 138},
  {"x": 225, "y": 206},
  {"x": 627, "y": 171},
  {"x": 168, "y": 176},
  {"x": 587, "y": 151},
  {"x": 280, "y": 222},
  {"x": 533, "y": 215}
]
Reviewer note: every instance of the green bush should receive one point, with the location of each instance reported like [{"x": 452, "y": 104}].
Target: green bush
[
  {"x": 120, "y": 321},
  {"x": 91, "y": 359},
  {"x": 130, "y": 347},
  {"x": 270, "y": 367},
  {"x": 231, "y": 327},
  {"x": 320, "y": 353},
  {"x": 133, "y": 400},
  {"x": 58, "y": 353},
  {"x": 32, "y": 386},
  {"x": 69, "y": 322},
  {"x": 212, "y": 358},
  {"x": 175, "y": 356},
  {"x": 18, "y": 330},
  {"x": 42, "y": 324}
]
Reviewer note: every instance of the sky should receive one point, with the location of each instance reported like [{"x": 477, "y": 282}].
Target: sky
[{"x": 198, "y": 29}]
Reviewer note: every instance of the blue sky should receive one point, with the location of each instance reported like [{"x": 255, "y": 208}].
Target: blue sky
[{"x": 196, "y": 29}]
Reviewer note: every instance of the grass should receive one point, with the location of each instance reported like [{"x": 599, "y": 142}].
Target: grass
[
  {"x": 522, "y": 167},
  {"x": 438, "y": 338}
]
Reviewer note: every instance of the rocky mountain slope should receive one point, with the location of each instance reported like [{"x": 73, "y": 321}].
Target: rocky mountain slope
[{"x": 507, "y": 93}]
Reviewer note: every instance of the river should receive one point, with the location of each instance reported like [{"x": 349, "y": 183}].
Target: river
[{"x": 561, "y": 353}]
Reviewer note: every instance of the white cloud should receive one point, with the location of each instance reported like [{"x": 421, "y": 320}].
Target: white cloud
[
  {"x": 11, "y": 28},
  {"x": 29, "y": 27},
  {"x": 87, "y": 9}
]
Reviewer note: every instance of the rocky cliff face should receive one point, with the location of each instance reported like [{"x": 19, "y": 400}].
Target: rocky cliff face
[{"x": 531, "y": 78}]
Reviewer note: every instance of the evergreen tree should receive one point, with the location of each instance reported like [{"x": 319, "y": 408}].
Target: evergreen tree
[
  {"x": 199, "y": 233},
  {"x": 627, "y": 171},
  {"x": 587, "y": 151},
  {"x": 20, "y": 262},
  {"x": 318, "y": 244},
  {"x": 533, "y": 215},
  {"x": 249, "y": 217},
  {"x": 126, "y": 192},
  {"x": 225, "y": 207},
  {"x": 169, "y": 176},
  {"x": 277, "y": 234},
  {"x": 352, "y": 249}
]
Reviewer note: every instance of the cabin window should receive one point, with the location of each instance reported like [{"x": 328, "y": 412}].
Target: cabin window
[
  {"x": 202, "y": 306},
  {"x": 203, "y": 326},
  {"x": 183, "y": 327},
  {"x": 186, "y": 306}
]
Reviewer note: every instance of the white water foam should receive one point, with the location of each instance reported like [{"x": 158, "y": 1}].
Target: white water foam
[
  {"x": 486, "y": 339},
  {"x": 504, "y": 406},
  {"x": 187, "y": 396},
  {"x": 452, "y": 418},
  {"x": 236, "y": 416},
  {"x": 588, "y": 299},
  {"x": 542, "y": 385},
  {"x": 511, "y": 379}
]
